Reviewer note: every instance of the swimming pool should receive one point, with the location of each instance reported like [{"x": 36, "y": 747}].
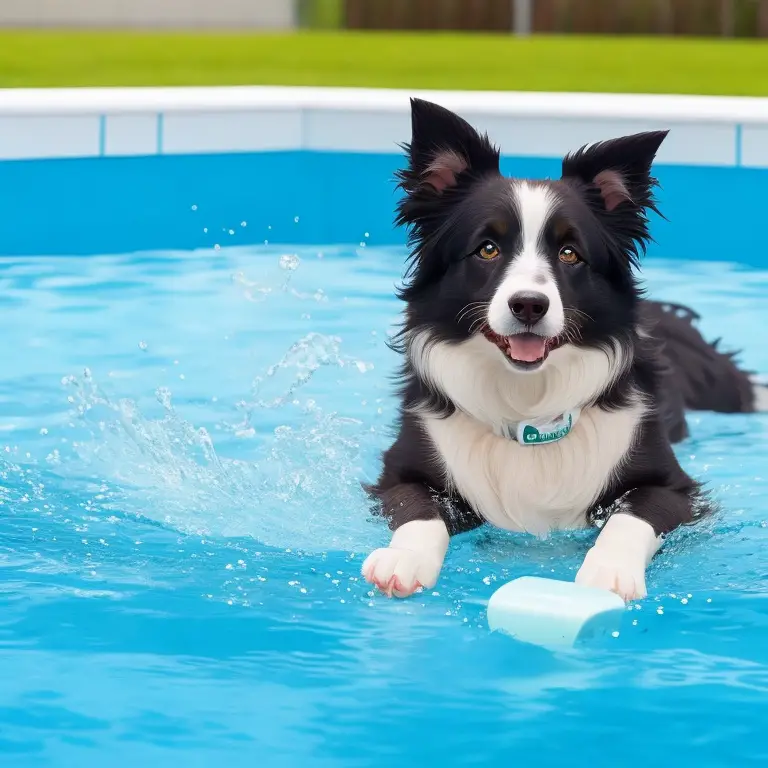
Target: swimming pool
[
  {"x": 182, "y": 439},
  {"x": 190, "y": 400}
]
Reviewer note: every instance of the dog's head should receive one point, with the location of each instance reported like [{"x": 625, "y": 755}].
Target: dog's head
[{"x": 532, "y": 265}]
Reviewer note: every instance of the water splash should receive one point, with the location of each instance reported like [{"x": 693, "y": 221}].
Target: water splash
[
  {"x": 289, "y": 262},
  {"x": 280, "y": 382},
  {"x": 301, "y": 489}
]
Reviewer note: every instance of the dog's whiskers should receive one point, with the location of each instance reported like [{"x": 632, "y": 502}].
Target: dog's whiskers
[
  {"x": 572, "y": 334},
  {"x": 578, "y": 313},
  {"x": 473, "y": 305},
  {"x": 473, "y": 308},
  {"x": 472, "y": 314},
  {"x": 573, "y": 331}
]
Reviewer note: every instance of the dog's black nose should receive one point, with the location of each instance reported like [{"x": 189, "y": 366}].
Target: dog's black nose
[{"x": 529, "y": 308}]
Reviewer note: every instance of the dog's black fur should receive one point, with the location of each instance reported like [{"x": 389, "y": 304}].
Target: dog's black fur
[{"x": 448, "y": 213}]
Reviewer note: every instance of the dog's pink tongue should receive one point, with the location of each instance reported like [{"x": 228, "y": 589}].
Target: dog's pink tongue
[{"x": 526, "y": 347}]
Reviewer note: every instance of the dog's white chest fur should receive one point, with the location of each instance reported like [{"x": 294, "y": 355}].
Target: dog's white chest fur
[{"x": 534, "y": 488}]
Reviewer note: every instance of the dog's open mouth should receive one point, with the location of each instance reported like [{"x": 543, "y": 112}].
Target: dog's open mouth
[{"x": 526, "y": 350}]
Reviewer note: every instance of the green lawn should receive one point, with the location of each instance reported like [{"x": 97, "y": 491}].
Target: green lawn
[{"x": 443, "y": 61}]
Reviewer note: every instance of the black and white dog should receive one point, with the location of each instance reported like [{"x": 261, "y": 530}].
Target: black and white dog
[{"x": 540, "y": 391}]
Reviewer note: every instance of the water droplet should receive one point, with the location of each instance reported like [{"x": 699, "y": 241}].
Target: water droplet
[
  {"x": 163, "y": 395},
  {"x": 43, "y": 431},
  {"x": 231, "y": 231},
  {"x": 367, "y": 234},
  {"x": 194, "y": 207},
  {"x": 143, "y": 345},
  {"x": 684, "y": 601},
  {"x": 295, "y": 219},
  {"x": 614, "y": 634},
  {"x": 289, "y": 262},
  {"x": 205, "y": 230},
  {"x": 243, "y": 223},
  {"x": 217, "y": 247}
]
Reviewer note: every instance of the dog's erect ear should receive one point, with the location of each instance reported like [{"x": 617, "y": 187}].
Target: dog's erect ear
[
  {"x": 442, "y": 147},
  {"x": 446, "y": 155},
  {"x": 620, "y": 169}
]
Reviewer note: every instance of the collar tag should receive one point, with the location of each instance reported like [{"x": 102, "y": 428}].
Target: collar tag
[{"x": 528, "y": 433}]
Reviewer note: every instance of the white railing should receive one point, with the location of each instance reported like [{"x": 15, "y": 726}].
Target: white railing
[{"x": 705, "y": 130}]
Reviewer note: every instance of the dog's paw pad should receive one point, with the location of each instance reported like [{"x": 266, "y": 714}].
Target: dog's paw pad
[{"x": 400, "y": 572}]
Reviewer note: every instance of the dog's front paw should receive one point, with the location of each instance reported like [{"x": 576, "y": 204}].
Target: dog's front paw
[
  {"x": 401, "y": 572},
  {"x": 604, "y": 570}
]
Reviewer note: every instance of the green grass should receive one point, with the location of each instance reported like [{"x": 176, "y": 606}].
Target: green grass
[
  {"x": 441, "y": 61},
  {"x": 321, "y": 14}
]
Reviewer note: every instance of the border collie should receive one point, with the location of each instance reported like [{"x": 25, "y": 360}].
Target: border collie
[{"x": 540, "y": 390}]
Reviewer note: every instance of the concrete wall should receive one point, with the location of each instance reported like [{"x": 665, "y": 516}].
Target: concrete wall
[{"x": 270, "y": 14}]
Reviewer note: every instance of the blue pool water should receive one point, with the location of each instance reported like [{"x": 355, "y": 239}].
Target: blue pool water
[{"x": 182, "y": 437}]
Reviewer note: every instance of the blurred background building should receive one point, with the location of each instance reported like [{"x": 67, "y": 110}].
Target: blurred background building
[
  {"x": 730, "y": 18},
  {"x": 270, "y": 14}
]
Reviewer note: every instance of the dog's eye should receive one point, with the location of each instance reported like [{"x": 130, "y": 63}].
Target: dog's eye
[
  {"x": 488, "y": 251},
  {"x": 569, "y": 255}
]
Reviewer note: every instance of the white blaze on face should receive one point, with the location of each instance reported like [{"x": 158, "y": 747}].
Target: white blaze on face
[{"x": 530, "y": 271}]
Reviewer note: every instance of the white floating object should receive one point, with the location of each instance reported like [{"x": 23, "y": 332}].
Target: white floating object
[{"x": 553, "y": 613}]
